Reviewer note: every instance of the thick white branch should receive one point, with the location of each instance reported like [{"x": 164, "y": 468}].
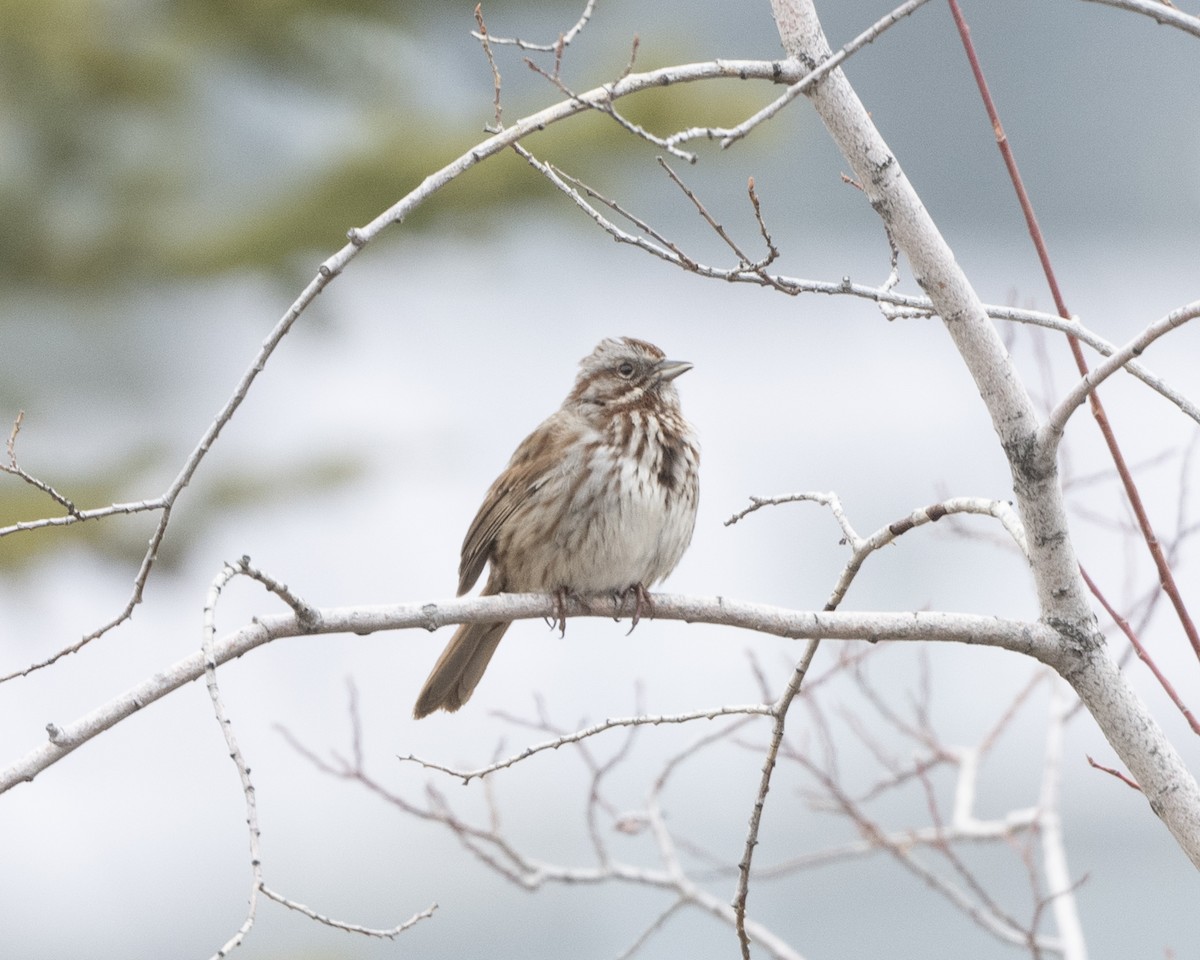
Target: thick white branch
[
  {"x": 1062, "y": 596},
  {"x": 877, "y": 169},
  {"x": 1032, "y": 639}
]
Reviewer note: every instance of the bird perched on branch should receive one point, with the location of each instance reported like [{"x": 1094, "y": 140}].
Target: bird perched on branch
[{"x": 600, "y": 499}]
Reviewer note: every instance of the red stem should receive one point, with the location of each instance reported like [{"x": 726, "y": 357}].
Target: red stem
[
  {"x": 1145, "y": 657},
  {"x": 1165, "y": 577},
  {"x": 1116, "y": 773}
]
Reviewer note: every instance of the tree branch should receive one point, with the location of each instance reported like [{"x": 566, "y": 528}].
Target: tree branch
[
  {"x": 730, "y": 136},
  {"x": 1032, "y": 639},
  {"x": 1160, "y": 12},
  {"x": 1063, "y": 599},
  {"x": 597, "y": 98},
  {"x": 1056, "y": 423}
]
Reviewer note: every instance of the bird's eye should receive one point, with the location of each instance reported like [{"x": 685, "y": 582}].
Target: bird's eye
[{"x": 625, "y": 369}]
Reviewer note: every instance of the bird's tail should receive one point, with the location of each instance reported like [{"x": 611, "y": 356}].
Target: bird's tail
[{"x": 459, "y": 668}]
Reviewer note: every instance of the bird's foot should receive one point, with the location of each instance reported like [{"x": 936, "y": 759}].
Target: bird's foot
[
  {"x": 642, "y": 602},
  {"x": 559, "y": 620}
]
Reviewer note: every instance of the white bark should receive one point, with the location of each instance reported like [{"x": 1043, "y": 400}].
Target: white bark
[
  {"x": 1031, "y": 639},
  {"x": 1081, "y": 657}
]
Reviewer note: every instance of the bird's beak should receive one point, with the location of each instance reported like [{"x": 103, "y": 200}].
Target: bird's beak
[{"x": 670, "y": 369}]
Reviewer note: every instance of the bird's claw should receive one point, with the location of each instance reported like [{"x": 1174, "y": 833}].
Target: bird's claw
[
  {"x": 642, "y": 603},
  {"x": 559, "y": 619}
]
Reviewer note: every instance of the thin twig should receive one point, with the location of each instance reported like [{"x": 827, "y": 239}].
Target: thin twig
[
  {"x": 308, "y": 616},
  {"x": 613, "y": 723},
  {"x": 862, "y": 547},
  {"x": 780, "y": 711},
  {"x": 389, "y": 933},
  {"x": 655, "y": 925},
  {"x": 731, "y": 135},
  {"x": 1086, "y": 388},
  {"x": 895, "y": 305},
  {"x": 745, "y": 264},
  {"x": 227, "y": 573},
  {"x": 166, "y": 501},
  {"x": 557, "y": 47},
  {"x": 1160, "y": 11},
  {"x": 303, "y": 610},
  {"x": 968, "y": 781},
  {"x": 485, "y": 42},
  {"x": 605, "y": 106},
  {"x": 15, "y": 469},
  {"x": 717, "y": 228},
  {"x": 772, "y": 250},
  {"x": 998, "y": 926},
  {"x": 1116, "y": 773},
  {"x": 1142, "y": 653}
]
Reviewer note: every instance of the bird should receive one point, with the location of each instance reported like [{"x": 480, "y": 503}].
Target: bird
[{"x": 600, "y": 499}]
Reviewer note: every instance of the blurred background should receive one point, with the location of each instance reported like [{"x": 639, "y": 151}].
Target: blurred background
[{"x": 172, "y": 174}]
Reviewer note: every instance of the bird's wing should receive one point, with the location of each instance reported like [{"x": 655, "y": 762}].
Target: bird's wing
[{"x": 532, "y": 465}]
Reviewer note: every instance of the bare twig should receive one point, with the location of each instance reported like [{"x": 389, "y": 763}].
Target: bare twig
[
  {"x": 967, "y": 783},
  {"x": 485, "y": 42},
  {"x": 863, "y": 547},
  {"x": 780, "y": 710},
  {"x": 745, "y": 264},
  {"x": 303, "y": 612},
  {"x": 15, "y": 469},
  {"x": 606, "y": 106},
  {"x": 381, "y": 933},
  {"x": 702, "y": 210},
  {"x": 164, "y": 503},
  {"x": 1142, "y": 653},
  {"x": 1038, "y": 677},
  {"x": 98, "y": 513},
  {"x": 830, "y": 500},
  {"x": 997, "y": 925},
  {"x": 227, "y": 573},
  {"x": 772, "y": 250},
  {"x": 657, "y": 924},
  {"x": 585, "y": 733},
  {"x": 731, "y": 135},
  {"x": 895, "y": 305},
  {"x": 557, "y": 47},
  {"x": 1129, "y": 782},
  {"x": 658, "y": 245},
  {"x": 1056, "y": 423},
  {"x": 499, "y": 854},
  {"x": 1160, "y": 11}
]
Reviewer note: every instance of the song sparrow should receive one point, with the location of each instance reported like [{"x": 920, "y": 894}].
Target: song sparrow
[{"x": 599, "y": 499}]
